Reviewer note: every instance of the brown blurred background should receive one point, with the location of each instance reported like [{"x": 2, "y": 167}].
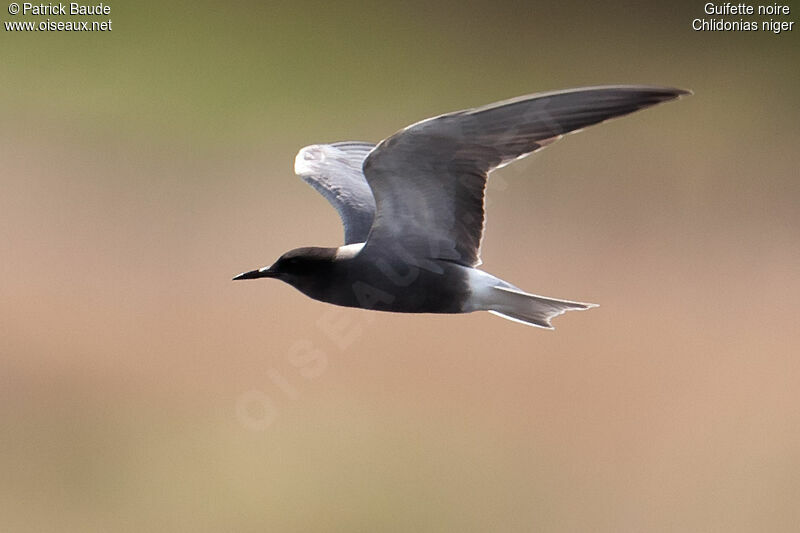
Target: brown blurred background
[{"x": 142, "y": 390}]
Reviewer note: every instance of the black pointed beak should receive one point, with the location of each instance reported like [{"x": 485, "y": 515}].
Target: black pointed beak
[{"x": 255, "y": 274}]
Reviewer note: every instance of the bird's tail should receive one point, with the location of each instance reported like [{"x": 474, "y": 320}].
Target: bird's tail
[{"x": 530, "y": 309}]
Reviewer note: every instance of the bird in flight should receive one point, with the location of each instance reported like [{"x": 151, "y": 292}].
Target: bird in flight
[{"x": 413, "y": 206}]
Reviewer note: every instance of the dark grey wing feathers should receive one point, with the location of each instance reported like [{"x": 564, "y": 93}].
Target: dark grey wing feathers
[
  {"x": 428, "y": 180},
  {"x": 334, "y": 170}
]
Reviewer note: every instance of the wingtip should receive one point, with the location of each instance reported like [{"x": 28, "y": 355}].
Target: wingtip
[
  {"x": 664, "y": 94},
  {"x": 679, "y": 93},
  {"x": 659, "y": 92}
]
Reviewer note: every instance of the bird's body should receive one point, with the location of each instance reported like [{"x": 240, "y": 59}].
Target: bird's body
[
  {"x": 412, "y": 206},
  {"x": 372, "y": 284}
]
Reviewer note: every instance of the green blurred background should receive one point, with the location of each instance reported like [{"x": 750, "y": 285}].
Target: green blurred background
[{"x": 142, "y": 390}]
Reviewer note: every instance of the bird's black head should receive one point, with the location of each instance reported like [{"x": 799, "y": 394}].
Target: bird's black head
[{"x": 295, "y": 265}]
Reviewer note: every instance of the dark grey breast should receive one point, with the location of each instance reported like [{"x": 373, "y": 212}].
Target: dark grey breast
[
  {"x": 428, "y": 180},
  {"x": 334, "y": 170}
]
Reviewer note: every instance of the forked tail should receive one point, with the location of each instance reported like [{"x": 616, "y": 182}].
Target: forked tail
[{"x": 530, "y": 309}]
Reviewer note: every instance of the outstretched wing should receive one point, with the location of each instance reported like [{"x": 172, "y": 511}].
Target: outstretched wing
[
  {"x": 334, "y": 170},
  {"x": 429, "y": 179}
]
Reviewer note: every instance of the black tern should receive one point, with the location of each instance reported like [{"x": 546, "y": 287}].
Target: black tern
[{"x": 413, "y": 206}]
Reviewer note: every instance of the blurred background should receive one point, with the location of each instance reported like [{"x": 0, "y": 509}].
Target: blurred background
[{"x": 142, "y": 390}]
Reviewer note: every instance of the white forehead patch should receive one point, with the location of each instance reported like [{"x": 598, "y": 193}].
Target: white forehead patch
[{"x": 348, "y": 251}]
